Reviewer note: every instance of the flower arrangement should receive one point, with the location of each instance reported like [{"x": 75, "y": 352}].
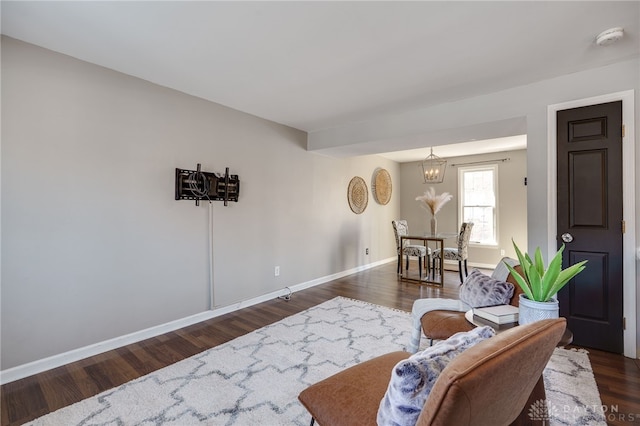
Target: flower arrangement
[{"x": 433, "y": 202}]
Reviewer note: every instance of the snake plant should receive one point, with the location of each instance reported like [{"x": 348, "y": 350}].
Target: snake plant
[{"x": 541, "y": 285}]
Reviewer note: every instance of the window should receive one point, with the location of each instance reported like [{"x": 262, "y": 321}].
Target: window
[{"x": 478, "y": 201}]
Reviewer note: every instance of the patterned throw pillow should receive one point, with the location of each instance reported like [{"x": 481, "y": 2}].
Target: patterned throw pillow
[
  {"x": 479, "y": 290},
  {"x": 412, "y": 379}
]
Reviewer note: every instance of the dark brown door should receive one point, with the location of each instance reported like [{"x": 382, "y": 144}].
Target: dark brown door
[{"x": 590, "y": 221}]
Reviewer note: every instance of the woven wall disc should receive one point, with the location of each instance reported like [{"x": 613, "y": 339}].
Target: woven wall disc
[
  {"x": 358, "y": 195},
  {"x": 382, "y": 186}
]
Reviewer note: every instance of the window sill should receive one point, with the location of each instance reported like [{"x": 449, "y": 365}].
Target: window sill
[{"x": 493, "y": 246}]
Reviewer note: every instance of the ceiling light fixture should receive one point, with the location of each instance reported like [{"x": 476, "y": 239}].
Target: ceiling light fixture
[
  {"x": 433, "y": 168},
  {"x": 609, "y": 36}
]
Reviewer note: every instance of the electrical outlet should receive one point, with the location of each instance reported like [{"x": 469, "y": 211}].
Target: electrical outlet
[
  {"x": 276, "y": 271},
  {"x": 502, "y": 252},
  {"x": 366, "y": 251}
]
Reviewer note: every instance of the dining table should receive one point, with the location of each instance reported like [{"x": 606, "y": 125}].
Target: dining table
[{"x": 437, "y": 240}]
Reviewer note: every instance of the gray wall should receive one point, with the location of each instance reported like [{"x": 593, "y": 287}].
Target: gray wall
[
  {"x": 527, "y": 104},
  {"x": 512, "y": 203},
  {"x": 94, "y": 246},
  {"x": 523, "y": 107}
]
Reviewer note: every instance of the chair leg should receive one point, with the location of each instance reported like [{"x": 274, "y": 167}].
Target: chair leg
[
  {"x": 399, "y": 263},
  {"x": 420, "y": 267},
  {"x": 433, "y": 269},
  {"x": 313, "y": 421},
  {"x": 465, "y": 268},
  {"x": 407, "y": 267},
  {"x": 460, "y": 271}
]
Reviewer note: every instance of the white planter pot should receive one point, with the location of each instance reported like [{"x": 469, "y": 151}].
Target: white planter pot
[{"x": 531, "y": 311}]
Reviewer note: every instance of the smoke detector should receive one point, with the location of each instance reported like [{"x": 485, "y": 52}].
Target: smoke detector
[{"x": 609, "y": 36}]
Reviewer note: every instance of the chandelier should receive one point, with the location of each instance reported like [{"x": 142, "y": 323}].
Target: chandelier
[{"x": 433, "y": 168}]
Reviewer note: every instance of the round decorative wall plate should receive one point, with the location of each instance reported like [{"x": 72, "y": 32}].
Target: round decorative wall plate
[
  {"x": 358, "y": 195},
  {"x": 382, "y": 186}
]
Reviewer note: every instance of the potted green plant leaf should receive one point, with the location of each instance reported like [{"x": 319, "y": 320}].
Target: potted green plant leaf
[{"x": 540, "y": 284}]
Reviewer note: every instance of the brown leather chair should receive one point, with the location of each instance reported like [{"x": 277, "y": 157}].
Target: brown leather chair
[
  {"x": 492, "y": 383},
  {"x": 442, "y": 324}
]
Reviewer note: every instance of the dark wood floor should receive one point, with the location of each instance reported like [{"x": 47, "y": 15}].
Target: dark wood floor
[{"x": 618, "y": 377}]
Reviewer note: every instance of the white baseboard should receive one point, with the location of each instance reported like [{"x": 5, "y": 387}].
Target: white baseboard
[
  {"x": 450, "y": 263},
  {"x": 482, "y": 266},
  {"x": 35, "y": 367}
]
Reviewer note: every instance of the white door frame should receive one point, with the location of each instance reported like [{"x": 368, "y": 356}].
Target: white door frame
[{"x": 628, "y": 203}]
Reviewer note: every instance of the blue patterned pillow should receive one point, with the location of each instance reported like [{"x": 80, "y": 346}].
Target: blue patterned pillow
[
  {"x": 479, "y": 290},
  {"x": 412, "y": 379}
]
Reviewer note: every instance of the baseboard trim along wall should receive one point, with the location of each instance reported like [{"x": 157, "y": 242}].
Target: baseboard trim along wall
[
  {"x": 452, "y": 265},
  {"x": 39, "y": 366}
]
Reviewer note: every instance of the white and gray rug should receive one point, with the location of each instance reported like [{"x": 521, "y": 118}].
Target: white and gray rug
[
  {"x": 255, "y": 379},
  {"x": 572, "y": 393}
]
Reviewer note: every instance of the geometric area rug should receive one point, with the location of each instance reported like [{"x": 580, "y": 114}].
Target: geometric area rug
[
  {"x": 255, "y": 379},
  {"x": 572, "y": 393}
]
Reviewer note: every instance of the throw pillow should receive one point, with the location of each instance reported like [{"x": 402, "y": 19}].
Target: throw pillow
[
  {"x": 479, "y": 290},
  {"x": 412, "y": 379}
]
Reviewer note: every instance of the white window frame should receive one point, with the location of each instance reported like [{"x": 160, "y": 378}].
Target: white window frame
[{"x": 461, "y": 171}]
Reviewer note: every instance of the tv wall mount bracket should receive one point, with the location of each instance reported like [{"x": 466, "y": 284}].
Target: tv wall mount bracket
[{"x": 198, "y": 185}]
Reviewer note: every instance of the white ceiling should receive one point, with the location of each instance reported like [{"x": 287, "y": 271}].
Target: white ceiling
[
  {"x": 320, "y": 65},
  {"x": 485, "y": 146}
]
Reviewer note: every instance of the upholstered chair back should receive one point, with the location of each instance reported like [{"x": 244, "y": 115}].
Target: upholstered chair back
[
  {"x": 400, "y": 228},
  {"x": 463, "y": 240},
  {"x": 490, "y": 383},
  {"x": 515, "y": 300}
]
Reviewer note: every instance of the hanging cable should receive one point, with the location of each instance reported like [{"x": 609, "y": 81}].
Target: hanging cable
[
  {"x": 287, "y": 296},
  {"x": 197, "y": 189},
  {"x": 211, "y": 299}
]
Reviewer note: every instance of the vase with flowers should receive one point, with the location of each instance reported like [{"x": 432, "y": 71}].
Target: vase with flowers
[{"x": 432, "y": 202}]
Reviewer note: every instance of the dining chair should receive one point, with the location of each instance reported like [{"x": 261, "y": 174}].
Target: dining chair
[
  {"x": 459, "y": 253},
  {"x": 400, "y": 229}
]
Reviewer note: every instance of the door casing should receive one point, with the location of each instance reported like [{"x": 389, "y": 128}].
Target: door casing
[{"x": 628, "y": 178}]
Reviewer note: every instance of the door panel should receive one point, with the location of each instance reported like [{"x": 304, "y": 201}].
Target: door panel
[
  {"x": 587, "y": 171},
  {"x": 590, "y": 209},
  {"x": 589, "y": 286}
]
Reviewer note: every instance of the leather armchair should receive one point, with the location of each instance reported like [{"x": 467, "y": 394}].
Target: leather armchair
[
  {"x": 492, "y": 383},
  {"x": 442, "y": 324}
]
